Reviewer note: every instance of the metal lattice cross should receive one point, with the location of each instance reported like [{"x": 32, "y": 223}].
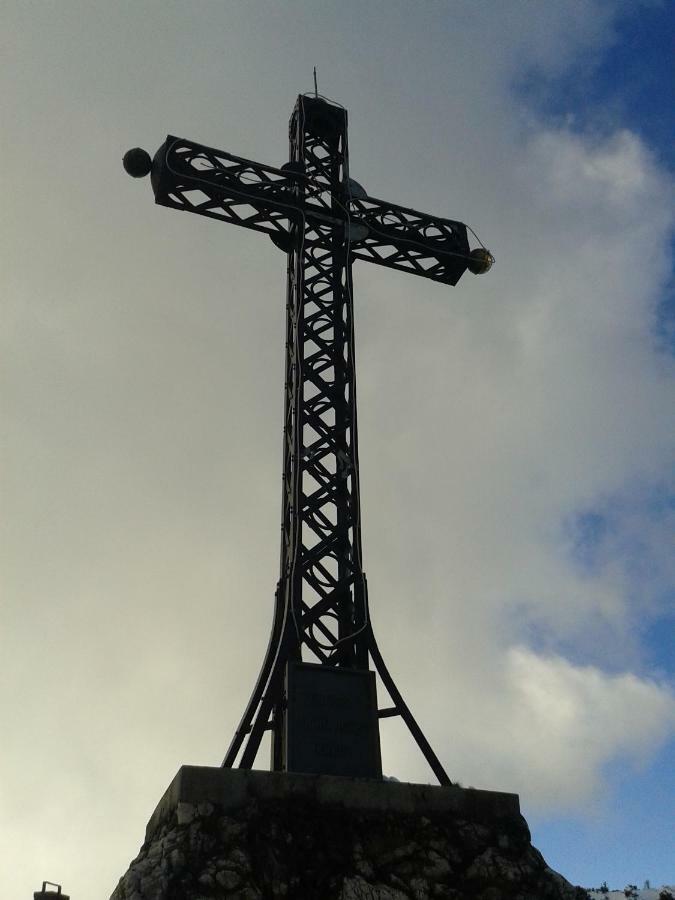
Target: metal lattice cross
[{"x": 315, "y": 691}]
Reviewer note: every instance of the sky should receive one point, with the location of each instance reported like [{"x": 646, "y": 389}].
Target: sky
[{"x": 516, "y": 431}]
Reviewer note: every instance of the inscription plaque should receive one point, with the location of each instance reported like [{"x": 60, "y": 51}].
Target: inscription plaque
[{"x": 331, "y": 721}]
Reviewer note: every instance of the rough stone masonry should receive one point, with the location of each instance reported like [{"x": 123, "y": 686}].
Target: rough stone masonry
[{"x": 254, "y": 835}]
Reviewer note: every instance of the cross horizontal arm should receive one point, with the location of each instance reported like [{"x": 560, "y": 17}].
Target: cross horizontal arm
[
  {"x": 410, "y": 241},
  {"x": 209, "y": 182},
  {"x": 213, "y": 183}
]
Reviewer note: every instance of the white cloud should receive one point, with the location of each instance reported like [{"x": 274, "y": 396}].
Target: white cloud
[{"x": 569, "y": 721}]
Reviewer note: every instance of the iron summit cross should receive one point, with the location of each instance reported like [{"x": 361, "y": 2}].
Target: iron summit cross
[{"x": 316, "y": 691}]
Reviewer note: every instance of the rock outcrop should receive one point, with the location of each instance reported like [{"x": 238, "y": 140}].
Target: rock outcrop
[{"x": 257, "y": 835}]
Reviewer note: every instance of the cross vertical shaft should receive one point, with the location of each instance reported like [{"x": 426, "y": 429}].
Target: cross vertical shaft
[
  {"x": 321, "y": 583},
  {"x": 321, "y": 567}
]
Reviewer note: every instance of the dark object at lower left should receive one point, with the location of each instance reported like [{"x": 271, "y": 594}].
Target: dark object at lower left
[{"x": 44, "y": 894}]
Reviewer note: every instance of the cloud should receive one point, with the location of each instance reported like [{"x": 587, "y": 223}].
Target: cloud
[{"x": 564, "y": 723}]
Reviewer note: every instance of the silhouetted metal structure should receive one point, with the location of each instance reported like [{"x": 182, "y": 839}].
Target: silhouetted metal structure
[
  {"x": 44, "y": 894},
  {"x": 323, "y": 717}
]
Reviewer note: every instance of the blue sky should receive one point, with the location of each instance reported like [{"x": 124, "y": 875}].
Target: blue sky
[
  {"x": 630, "y": 82},
  {"x": 630, "y": 85},
  {"x": 516, "y": 432},
  {"x": 627, "y": 841}
]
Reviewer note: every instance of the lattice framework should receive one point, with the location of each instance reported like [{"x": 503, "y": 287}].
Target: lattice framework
[{"x": 324, "y": 221}]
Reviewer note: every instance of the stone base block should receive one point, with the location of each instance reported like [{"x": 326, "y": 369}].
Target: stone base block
[{"x": 253, "y": 835}]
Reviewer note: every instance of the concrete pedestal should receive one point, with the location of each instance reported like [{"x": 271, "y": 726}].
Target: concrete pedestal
[{"x": 253, "y": 835}]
